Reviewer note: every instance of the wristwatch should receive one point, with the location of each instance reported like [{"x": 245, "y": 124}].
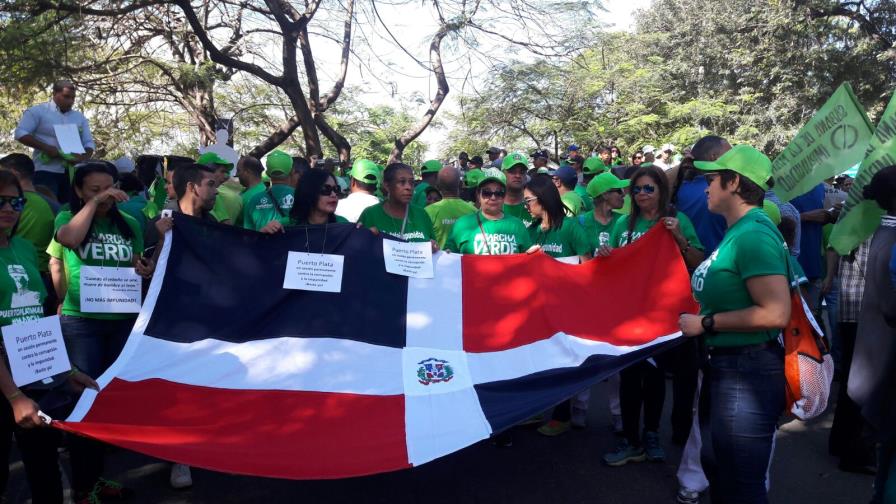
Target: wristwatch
[{"x": 708, "y": 322}]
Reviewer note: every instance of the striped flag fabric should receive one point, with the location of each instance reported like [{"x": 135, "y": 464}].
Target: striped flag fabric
[{"x": 227, "y": 370}]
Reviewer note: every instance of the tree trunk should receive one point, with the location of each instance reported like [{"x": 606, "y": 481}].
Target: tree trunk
[
  {"x": 276, "y": 138},
  {"x": 339, "y": 142}
]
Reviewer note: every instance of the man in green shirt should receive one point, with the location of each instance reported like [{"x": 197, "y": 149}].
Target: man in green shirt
[
  {"x": 514, "y": 167},
  {"x": 276, "y": 202},
  {"x": 565, "y": 178},
  {"x": 228, "y": 205},
  {"x": 428, "y": 173},
  {"x": 249, "y": 170},
  {"x": 446, "y": 212},
  {"x": 36, "y": 219}
]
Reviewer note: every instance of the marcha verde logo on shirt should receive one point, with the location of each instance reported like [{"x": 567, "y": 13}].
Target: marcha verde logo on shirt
[
  {"x": 107, "y": 247},
  {"x": 700, "y": 273},
  {"x": 418, "y": 235},
  {"x": 635, "y": 235},
  {"x": 498, "y": 244}
]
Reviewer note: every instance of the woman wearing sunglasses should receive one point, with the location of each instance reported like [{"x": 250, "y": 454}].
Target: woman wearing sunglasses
[
  {"x": 551, "y": 230},
  {"x": 644, "y": 384},
  {"x": 607, "y": 193},
  {"x": 397, "y": 216},
  {"x": 316, "y": 196},
  {"x": 489, "y": 231},
  {"x": 744, "y": 297}
]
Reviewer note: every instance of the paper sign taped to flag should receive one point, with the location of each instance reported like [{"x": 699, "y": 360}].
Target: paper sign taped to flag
[
  {"x": 35, "y": 349},
  {"x": 411, "y": 259},
  {"x": 313, "y": 272}
]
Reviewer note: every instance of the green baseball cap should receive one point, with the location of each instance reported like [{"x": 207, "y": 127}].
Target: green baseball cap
[
  {"x": 593, "y": 166},
  {"x": 772, "y": 210},
  {"x": 493, "y": 175},
  {"x": 472, "y": 178},
  {"x": 513, "y": 159},
  {"x": 279, "y": 163},
  {"x": 211, "y": 158},
  {"x": 744, "y": 160},
  {"x": 365, "y": 170},
  {"x": 603, "y": 183},
  {"x": 431, "y": 166}
]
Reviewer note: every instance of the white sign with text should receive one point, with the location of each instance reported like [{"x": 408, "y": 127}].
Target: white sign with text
[
  {"x": 35, "y": 349},
  {"x": 408, "y": 259},
  {"x": 110, "y": 290},
  {"x": 313, "y": 272},
  {"x": 69, "y": 138}
]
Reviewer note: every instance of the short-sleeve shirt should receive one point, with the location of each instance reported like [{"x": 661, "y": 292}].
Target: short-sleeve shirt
[
  {"x": 444, "y": 214},
  {"x": 598, "y": 234},
  {"x": 419, "y": 197},
  {"x": 105, "y": 246},
  {"x": 22, "y": 291},
  {"x": 751, "y": 247},
  {"x": 507, "y": 235},
  {"x": 352, "y": 205},
  {"x": 587, "y": 201},
  {"x": 247, "y": 195},
  {"x": 810, "y": 232},
  {"x": 418, "y": 227},
  {"x": 270, "y": 205},
  {"x": 36, "y": 226},
  {"x": 566, "y": 241},
  {"x": 39, "y": 121},
  {"x": 692, "y": 202},
  {"x": 519, "y": 211},
  {"x": 620, "y": 236},
  {"x": 228, "y": 205}
]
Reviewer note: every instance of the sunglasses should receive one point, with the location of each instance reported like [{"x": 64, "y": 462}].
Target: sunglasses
[
  {"x": 17, "y": 203},
  {"x": 647, "y": 188},
  {"x": 486, "y": 194},
  {"x": 527, "y": 201},
  {"x": 328, "y": 189}
]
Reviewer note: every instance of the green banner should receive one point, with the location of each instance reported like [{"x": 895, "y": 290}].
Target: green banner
[
  {"x": 834, "y": 139},
  {"x": 859, "y": 218}
]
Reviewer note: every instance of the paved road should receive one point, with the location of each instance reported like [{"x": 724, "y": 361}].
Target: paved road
[{"x": 535, "y": 469}]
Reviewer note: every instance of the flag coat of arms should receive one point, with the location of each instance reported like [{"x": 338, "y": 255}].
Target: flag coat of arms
[{"x": 227, "y": 370}]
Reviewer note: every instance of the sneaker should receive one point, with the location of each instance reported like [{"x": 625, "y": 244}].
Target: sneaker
[
  {"x": 180, "y": 476},
  {"x": 579, "y": 418},
  {"x": 108, "y": 490},
  {"x": 655, "y": 452},
  {"x": 687, "y": 496},
  {"x": 553, "y": 428},
  {"x": 624, "y": 454}
]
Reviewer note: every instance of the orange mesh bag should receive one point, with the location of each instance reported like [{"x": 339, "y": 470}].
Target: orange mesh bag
[{"x": 808, "y": 366}]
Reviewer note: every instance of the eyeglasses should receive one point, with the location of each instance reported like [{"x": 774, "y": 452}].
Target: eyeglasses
[
  {"x": 17, "y": 203},
  {"x": 486, "y": 194},
  {"x": 527, "y": 201},
  {"x": 647, "y": 188},
  {"x": 328, "y": 189}
]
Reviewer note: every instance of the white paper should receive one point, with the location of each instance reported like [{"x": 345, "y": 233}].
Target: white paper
[
  {"x": 110, "y": 290},
  {"x": 408, "y": 259},
  {"x": 569, "y": 259},
  {"x": 313, "y": 272},
  {"x": 36, "y": 350},
  {"x": 69, "y": 138}
]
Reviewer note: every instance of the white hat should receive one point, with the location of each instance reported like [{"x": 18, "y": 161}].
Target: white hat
[
  {"x": 124, "y": 164},
  {"x": 668, "y": 147},
  {"x": 648, "y": 149}
]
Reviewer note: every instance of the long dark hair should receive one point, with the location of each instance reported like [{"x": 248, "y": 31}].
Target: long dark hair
[
  {"x": 308, "y": 193},
  {"x": 76, "y": 203},
  {"x": 662, "y": 185},
  {"x": 549, "y": 198},
  {"x": 7, "y": 179}
]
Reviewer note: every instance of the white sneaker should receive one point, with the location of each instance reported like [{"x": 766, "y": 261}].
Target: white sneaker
[
  {"x": 687, "y": 496},
  {"x": 180, "y": 476}
]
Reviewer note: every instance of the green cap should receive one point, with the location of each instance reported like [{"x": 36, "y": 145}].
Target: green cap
[
  {"x": 772, "y": 210},
  {"x": 472, "y": 178},
  {"x": 279, "y": 163},
  {"x": 365, "y": 170},
  {"x": 211, "y": 158},
  {"x": 431, "y": 166},
  {"x": 513, "y": 159},
  {"x": 603, "y": 183},
  {"x": 593, "y": 166},
  {"x": 744, "y": 160},
  {"x": 493, "y": 175}
]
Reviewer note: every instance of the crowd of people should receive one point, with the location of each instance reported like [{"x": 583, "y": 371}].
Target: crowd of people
[{"x": 745, "y": 248}]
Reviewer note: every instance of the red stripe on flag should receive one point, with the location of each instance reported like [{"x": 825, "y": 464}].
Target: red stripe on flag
[
  {"x": 274, "y": 433},
  {"x": 630, "y": 298}
]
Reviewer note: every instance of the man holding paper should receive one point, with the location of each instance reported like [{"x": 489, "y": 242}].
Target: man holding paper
[{"x": 60, "y": 137}]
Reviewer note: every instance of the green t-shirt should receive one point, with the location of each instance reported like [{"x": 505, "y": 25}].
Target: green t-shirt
[
  {"x": 228, "y": 205},
  {"x": 619, "y": 237},
  {"x": 104, "y": 247},
  {"x": 798, "y": 276},
  {"x": 519, "y": 211},
  {"x": 587, "y": 201},
  {"x": 36, "y": 226},
  {"x": 598, "y": 234},
  {"x": 247, "y": 196},
  {"x": 507, "y": 235},
  {"x": 566, "y": 241},
  {"x": 750, "y": 248},
  {"x": 419, "y": 197},
  {"x": 573, "y": 202},
  {"x": 444, "y": 214},
  {"x": 291, "y": 222},
  {"x": 22, "y": 291},
  {"x": 263, "y": 207},
  {"x": 417, "y": 229}
]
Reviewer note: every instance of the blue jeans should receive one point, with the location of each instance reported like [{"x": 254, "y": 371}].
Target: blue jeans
[{"x": 741, "y": 400}]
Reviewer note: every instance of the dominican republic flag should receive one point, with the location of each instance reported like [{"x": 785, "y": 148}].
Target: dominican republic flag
[{"x": 228, "y": 371}]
